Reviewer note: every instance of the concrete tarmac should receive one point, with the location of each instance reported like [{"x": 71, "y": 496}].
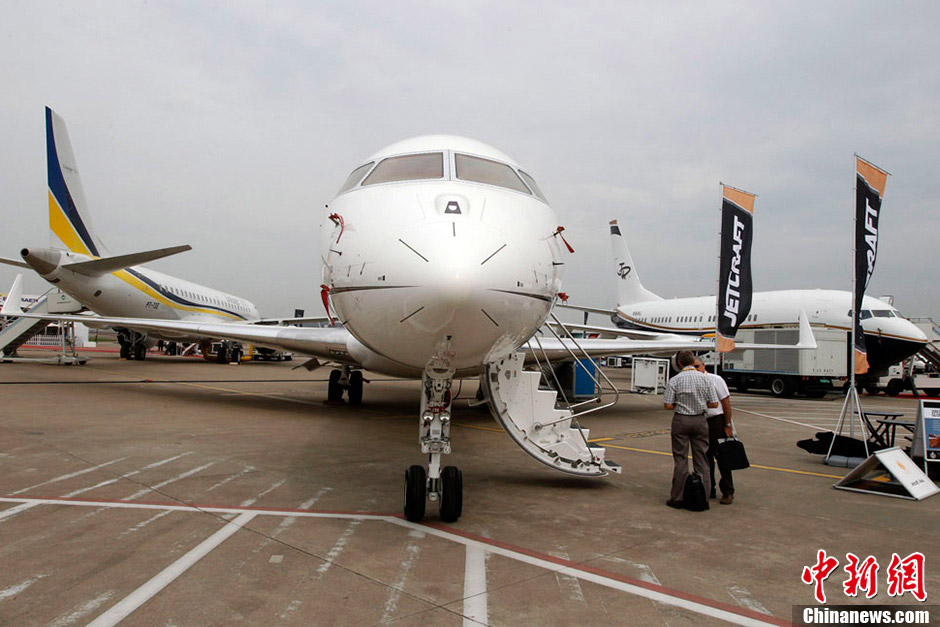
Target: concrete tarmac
[{"x": 178, "y": 492}]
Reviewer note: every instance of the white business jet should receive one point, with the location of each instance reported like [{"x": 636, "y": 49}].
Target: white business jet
[
  {"x": 116, "y": 285},
  {"x": 889, "y": 337},
  {"x": 442, "y": 259}
]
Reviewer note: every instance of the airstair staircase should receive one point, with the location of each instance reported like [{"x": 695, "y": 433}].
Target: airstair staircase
[
  {"x": 931, "y": 354},
  {"x": 531, "y": 414},
  {"x": 20, "y": 330}
]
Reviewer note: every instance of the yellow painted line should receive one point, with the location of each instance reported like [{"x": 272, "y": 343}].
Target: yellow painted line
[
  {"x": 600, "y": 439},
  {"x": 790, "y": 470},
  {"x": 482, "y": 428}
]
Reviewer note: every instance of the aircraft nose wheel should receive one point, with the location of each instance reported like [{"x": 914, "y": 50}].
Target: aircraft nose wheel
[
  {"x": 416, "y": 486},
  {"x": 451, "y": 494}
]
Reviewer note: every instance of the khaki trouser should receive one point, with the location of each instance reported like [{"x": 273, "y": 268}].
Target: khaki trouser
[{"x": 688, "y": 430}]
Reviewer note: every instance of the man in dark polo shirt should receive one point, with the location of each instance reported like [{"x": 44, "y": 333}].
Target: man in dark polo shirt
[{"x": 688, "y": 394}]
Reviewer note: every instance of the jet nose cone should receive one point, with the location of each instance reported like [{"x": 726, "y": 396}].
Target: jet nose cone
[{"x": 42, "y": 260}]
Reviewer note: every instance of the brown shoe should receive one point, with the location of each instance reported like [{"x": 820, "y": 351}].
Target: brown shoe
[{"x": 726, "y": 499}]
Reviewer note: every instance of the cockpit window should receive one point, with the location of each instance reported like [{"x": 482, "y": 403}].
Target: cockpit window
[
  {"x": 354, "y": 177},
  {"x": 531, "y": 183},
  {"x": 489, "y": 172},
  {"x": 407, "y": 168},
  {"x": 882, "y": 313}
]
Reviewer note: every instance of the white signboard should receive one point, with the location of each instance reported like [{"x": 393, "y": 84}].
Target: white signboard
[
  {"x": 890, "y": 473},
  {"x": 927, "y": 432}
]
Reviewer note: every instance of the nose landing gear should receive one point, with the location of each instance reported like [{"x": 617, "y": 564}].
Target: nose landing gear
[{"x": 442, "y": 485}]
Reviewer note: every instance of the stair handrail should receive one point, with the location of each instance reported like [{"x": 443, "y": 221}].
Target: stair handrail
[
  {"x": 599, "y": 385},
  {"x": 548, "y": 364}
]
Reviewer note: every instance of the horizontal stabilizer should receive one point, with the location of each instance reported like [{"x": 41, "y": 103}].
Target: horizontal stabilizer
[
  {"x": 11, "y": 306},
  {"x": 106, "y": 265},
  {"x": 14, "y": 262}
]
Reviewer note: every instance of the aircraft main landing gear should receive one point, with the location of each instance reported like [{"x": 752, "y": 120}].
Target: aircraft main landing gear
[
  {"x": 442, "y": 485},
  {"x": 347, "y": 380}
]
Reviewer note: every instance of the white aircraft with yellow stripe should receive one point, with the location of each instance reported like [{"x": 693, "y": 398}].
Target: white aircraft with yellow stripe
[
  {"x": 116, "y": 286},
  {"x": 443, "y": 260}
]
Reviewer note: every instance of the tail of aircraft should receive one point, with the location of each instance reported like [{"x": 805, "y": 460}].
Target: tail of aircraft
[
  {"x": 629, "y": 288},
  {"x": 69, "y": 220}
]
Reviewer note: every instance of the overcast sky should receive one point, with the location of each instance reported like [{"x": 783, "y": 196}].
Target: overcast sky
[{"x": 229, "y": 125}]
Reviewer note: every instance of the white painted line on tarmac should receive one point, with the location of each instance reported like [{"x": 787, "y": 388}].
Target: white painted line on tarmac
[
  {"x": 654, "y": 595},
  {"x": 263, "y": 493},
  {"x": 475, "y": 602},
  {"x": 192, "y": 508},
  {"x": 12, "y": 591},
  {"x": 743, "y": 598},
  {"x": 289, "y": 521},
  {"x": 144, "y": 593},
  {"x": 13, "y": 511},
  {"x": 567, "y": 582},
  {"x": 793, "y": 422},
  {"x": 157, "y": 486},
  {"x": 669, "y": 597},
  {"x": 144, "y": 523},
  {"x": 338, "y": 547},
  {"x": 83, "y": 610},
  {"x": 240, "y": 473},
  {"x": 405, "y": 566},
  {"x": 129, "y": 474},
  {"x": 68, "y": 476}
]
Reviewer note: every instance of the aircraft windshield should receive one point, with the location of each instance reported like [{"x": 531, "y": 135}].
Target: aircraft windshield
[
  {"x": 877, "y": 313},
  {"x": 354, "y": 177},
  {"x": 531, "y": 183},
  {"x": 407, "y": 168},
  {"x": 489, "y": 172}
]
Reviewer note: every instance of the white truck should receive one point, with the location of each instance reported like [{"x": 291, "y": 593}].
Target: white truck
[{"x": 786, "y": 372}]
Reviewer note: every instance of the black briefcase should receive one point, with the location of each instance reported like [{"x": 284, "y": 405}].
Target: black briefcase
[{"x": 731, "y": 454}]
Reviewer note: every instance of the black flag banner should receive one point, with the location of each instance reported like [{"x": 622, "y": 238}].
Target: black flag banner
[
  {"x": 735, "y": 286},
  {"x": 870, "y": 182}
]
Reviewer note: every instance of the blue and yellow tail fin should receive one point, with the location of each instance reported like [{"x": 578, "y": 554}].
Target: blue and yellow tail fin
[{"x": 69, "y": 220}]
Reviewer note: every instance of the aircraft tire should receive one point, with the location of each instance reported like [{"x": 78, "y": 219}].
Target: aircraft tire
[
  {"x": 415, "y": 493},
  {"x": 221, "y": 357},
  {"x": 355, "y": 387},
  {"x": 140, "y": 351},
  {"x": 125, "y": 351},
  {"x": 334, "y": 391},
  {"x": 451, "y": 494}
]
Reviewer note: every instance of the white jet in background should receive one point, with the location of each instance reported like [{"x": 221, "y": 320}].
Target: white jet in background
[
  {"x": 889, "y": 337},
  {"x": 116, "y": 285}
]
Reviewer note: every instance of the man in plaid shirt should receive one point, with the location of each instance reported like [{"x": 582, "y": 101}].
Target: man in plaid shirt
[{"x": 688, "y": 394}]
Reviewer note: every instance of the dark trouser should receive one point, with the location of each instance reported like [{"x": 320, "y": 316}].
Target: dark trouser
[
  {"x": 716, "y": 431},
  {"x": 686, "y": 431}
]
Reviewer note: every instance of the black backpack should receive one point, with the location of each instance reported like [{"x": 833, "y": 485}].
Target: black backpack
[{"x": 694, "y": 497}]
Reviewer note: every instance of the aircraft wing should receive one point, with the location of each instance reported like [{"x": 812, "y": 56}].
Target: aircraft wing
[
  {"x": 593, "y": 310},
  {"x": 327, "y": 342},
  {"x": 617, "y": 332},
  {"x": 557, "y": 349},
  {"x": 661, "y": 344}
]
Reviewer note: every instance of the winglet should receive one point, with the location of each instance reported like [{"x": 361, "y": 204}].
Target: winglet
[
  {"x": 11, "y": 306},
  {"x": 806, "y": 339}
]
